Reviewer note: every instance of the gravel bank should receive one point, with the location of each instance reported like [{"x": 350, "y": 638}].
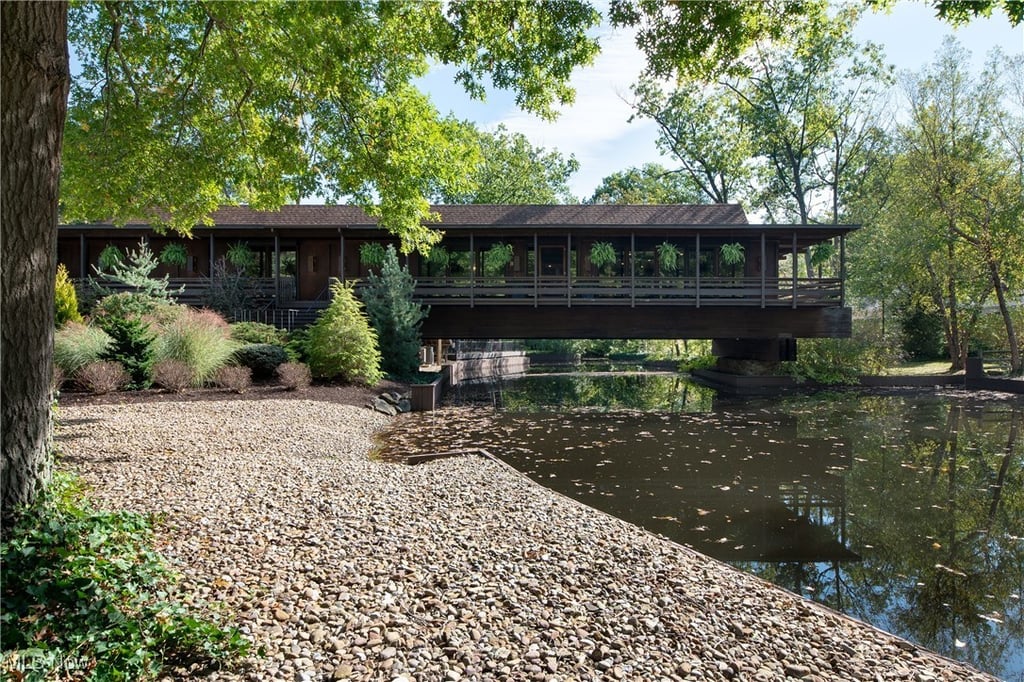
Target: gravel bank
[{"x": 340, "y": 567}]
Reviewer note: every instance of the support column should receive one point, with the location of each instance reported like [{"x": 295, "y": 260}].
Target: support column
[
  {"x": 277, "y": 268},
  {"x": 796, "y": 269},
  {"x": 472, "y": 269},
  {"x": 211, "y": 255},
  {"x": 536, "y": 271},
  {"x": 764, "y": 266},
  {"x": 83, "y": 258},
  {"x": 698, "y": 269},
  {"x": 632, "y": 269},
  {"x": 568, "y": 270},
  {"x": 842, "y": 270}
]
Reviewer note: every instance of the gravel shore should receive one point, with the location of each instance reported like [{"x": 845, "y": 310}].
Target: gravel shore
[{"x": 340, "y": 567}]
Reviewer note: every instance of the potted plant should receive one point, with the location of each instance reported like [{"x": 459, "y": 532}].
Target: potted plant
[
  {"x": 110, "y": 256},
  {"x": 668, "y": 258},
  {"x": 497, "y": 258},
  {"x": 242, "y": 257},
  {"x": 371, "y": 254},
  {"x": 603, "y": 257},
  {"x": 174, "y": 255},
  {"x": 732, "y": 255}
]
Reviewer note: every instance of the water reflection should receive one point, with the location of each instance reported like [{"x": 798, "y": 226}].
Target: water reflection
[{"x": 905, "y": 511}]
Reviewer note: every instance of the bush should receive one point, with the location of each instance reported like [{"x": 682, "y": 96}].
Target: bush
[
  {"x": 294, "y": 376},
  {"x": 262, "y": 358},
  {"x": 342, "y": 343},
  {"x": 836, "y": 361},
  {"x": 132, "y": 346},
  {"x": 234, "y": 378},
  {"x": 201, "y": 339},
  {"x": 126, "y": 305},
  {"x": 395, "y": 316},
  {"x": 102, "y": 377},
  {"x": 76, "y": 345},
  {"x": 174, "y": 375},
  {"x": 923, "y": 337},
  {"x": 257, "y": 332},
  {"x": 85, "y": 596},
  {"x": 65, "y": 299}
]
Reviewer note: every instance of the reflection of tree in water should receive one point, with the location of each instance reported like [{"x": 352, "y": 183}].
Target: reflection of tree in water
[{"x": 938, "y": 520}]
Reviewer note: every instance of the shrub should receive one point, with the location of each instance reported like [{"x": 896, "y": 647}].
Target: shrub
[
  {"x": 75, "y": 345},
  {"x": 85, "y": 596},
  {"x": 234, "y": 378},
  {"x": 102, "y": 377},
  {"x": 201, "y": 339},
  {"x": 922, "y": 333},
  {"x": 342, "y": 343},
  {"x": 126, "y": 304},
  {"x": 395, "y": 316},
  {"x": 174, "y": 375},
  {"x": 836, "y": 361},
  {"x": 294, "y": 375},
  {"x": 65, "y": 299},
  {"x": 134, "y": 272},
  {"x": 262, "y": 358},
  {"x": 258, "y": 332},
  {"x": 132, "y": 346}
]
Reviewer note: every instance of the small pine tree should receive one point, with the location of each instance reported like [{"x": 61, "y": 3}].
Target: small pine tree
[
  {"x": 342, "y": 343},
  {"x": 66, "y": 299},
  {"x": 395, "y": 316},
  {"x": 132, "y": 346},
  {"x": 134, "y": 272}
]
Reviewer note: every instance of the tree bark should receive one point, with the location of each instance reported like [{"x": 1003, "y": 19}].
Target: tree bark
[{"x": 36, "y": 80}]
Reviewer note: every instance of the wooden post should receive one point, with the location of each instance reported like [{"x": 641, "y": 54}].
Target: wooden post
[
  {"x": 472, "y": 269},
  {"x": 211, "y": 255},
  {"x": 842, "y": 270},
  {"x": 796, "y": 268},
  {"x": 568, "y": 269},
  {"x": 632, "y": 269},
  {"x": 277, "y": 268},
  {"x": 341, "y": 256},
  {"x": 698, "y": 269},
  {"x": 83, "y": 257},
  {"x": 764, "y": 266},
  {"x": 536, "y": 271}
]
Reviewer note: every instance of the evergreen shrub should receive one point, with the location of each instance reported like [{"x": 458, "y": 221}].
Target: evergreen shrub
[
  {"x": 262, "y": 358},
  {"x": 65, "y": 299},
  {"x": 395, "y": 316},
  {"x": 342, "y": 343},
  {"x": 258, "y": 332},
  {"x": 132, "y": 346}
]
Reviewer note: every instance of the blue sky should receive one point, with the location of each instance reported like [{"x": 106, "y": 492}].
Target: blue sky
[{"x": 596, "y": 128}]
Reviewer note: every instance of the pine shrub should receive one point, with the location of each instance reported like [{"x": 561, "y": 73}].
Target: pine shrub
[
  {"x": 395, "y": 316},
  {"x": 199, "y": 338},
  {"x": 342, "y": 343},
  {"x": 75, "y": 345},
  {"x": 262, "y": 358},
  {"x": 132, "y": 346},
  {"x": 103, "y": 377},
  {"x": 294, "y": 376},
  {"x": 65, "y": 299}
]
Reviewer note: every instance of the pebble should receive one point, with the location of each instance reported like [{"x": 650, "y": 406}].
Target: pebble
[{"x": 332, "y": 562}]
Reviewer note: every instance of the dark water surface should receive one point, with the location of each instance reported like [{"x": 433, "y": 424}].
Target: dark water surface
[{"x": 903, "y": 510}]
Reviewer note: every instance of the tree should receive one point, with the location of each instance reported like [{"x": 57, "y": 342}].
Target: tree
[
  {"x": 342, "y": 343},
  {"x": 650, "y": 184},
  {"x": 181, "y": 107},
  {"x": 394, "y": 315},
  {"x": 510, "y": 170}
]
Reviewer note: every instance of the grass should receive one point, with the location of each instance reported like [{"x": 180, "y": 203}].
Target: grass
[{"x": 920, "y": 368}]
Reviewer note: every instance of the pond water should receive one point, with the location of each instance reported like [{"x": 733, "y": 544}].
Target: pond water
[{"x": 903, "y": 510}]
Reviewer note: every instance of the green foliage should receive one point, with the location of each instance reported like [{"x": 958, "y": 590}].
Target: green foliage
[
  {"x": 328, "y": 82},
  {"x": 109, "y": 257},
  {"x": 258, "y": 332},
  {"x": 242, "y": 258},
  {"x": 131, "y": 345},
  {"x": 650, "y": 184},
  {"x": 199, "y": 338},
  {"x": 65, "y": 298},
  {"x": 371, "y": 254},
  {"x": 668, "y": 258},
  {"x": 510, "y": 170},
  {"x": 134, "y": 272},
  {"x": 85, "y": 596},
  {"x": 836, "y": 361},
  {"x": 603, "y": 256},
  {"x": 732, "y": 254},
  {"x": 395, "y": 316},
  {"x": 698, "y": 362},
  {"x": 126, "y": 304},
  {"x": 262, "y": 358},
  {"x": 174, "y": 254},
  {"x": 922, "y": 333},
  {"x": 76, "y": 345},
  {"x": 496, "y": 259},
  {"x": 342, "y": 343}
]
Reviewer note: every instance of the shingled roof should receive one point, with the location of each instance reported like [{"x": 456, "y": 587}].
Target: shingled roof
[{"x": 490, "y": 215}]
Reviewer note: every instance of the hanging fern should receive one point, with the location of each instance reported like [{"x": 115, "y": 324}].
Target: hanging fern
[
  {"x": 497, "y": 258},
  {"x": 242, "y": 257},
  {"x": 668, "y": 257},
  {"x": 174, "y": 254},
  {"x": 603, "y": 256},
  {"x": 371, "y": 254},
  {"x": 732, "y": 254},
  {"x": 110, "y": 257}
]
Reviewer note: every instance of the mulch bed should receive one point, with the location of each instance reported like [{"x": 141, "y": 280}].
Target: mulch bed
[{"x": 344, "y": 394}]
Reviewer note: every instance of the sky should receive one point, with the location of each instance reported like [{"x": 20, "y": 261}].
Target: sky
[{"x": 596, "y": 128}]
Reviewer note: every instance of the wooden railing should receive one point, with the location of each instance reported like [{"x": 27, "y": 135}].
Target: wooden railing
[
  {"x": 638, "y": 291},
  {"x": 194, "y": 290}
]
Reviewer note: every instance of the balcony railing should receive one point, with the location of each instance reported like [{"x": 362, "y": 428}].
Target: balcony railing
[{"x": 630, "y": 291}]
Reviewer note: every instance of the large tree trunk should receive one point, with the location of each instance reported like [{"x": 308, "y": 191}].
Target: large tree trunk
[
  {"x": 1004, "y": 310},
  {"x": 36, "y": 79}
]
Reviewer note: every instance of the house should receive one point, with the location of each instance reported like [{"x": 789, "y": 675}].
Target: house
[{"x": 527, "y": 271}]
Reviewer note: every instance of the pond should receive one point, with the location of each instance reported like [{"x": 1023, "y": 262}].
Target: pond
[{"x": 903, "y": 510}]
